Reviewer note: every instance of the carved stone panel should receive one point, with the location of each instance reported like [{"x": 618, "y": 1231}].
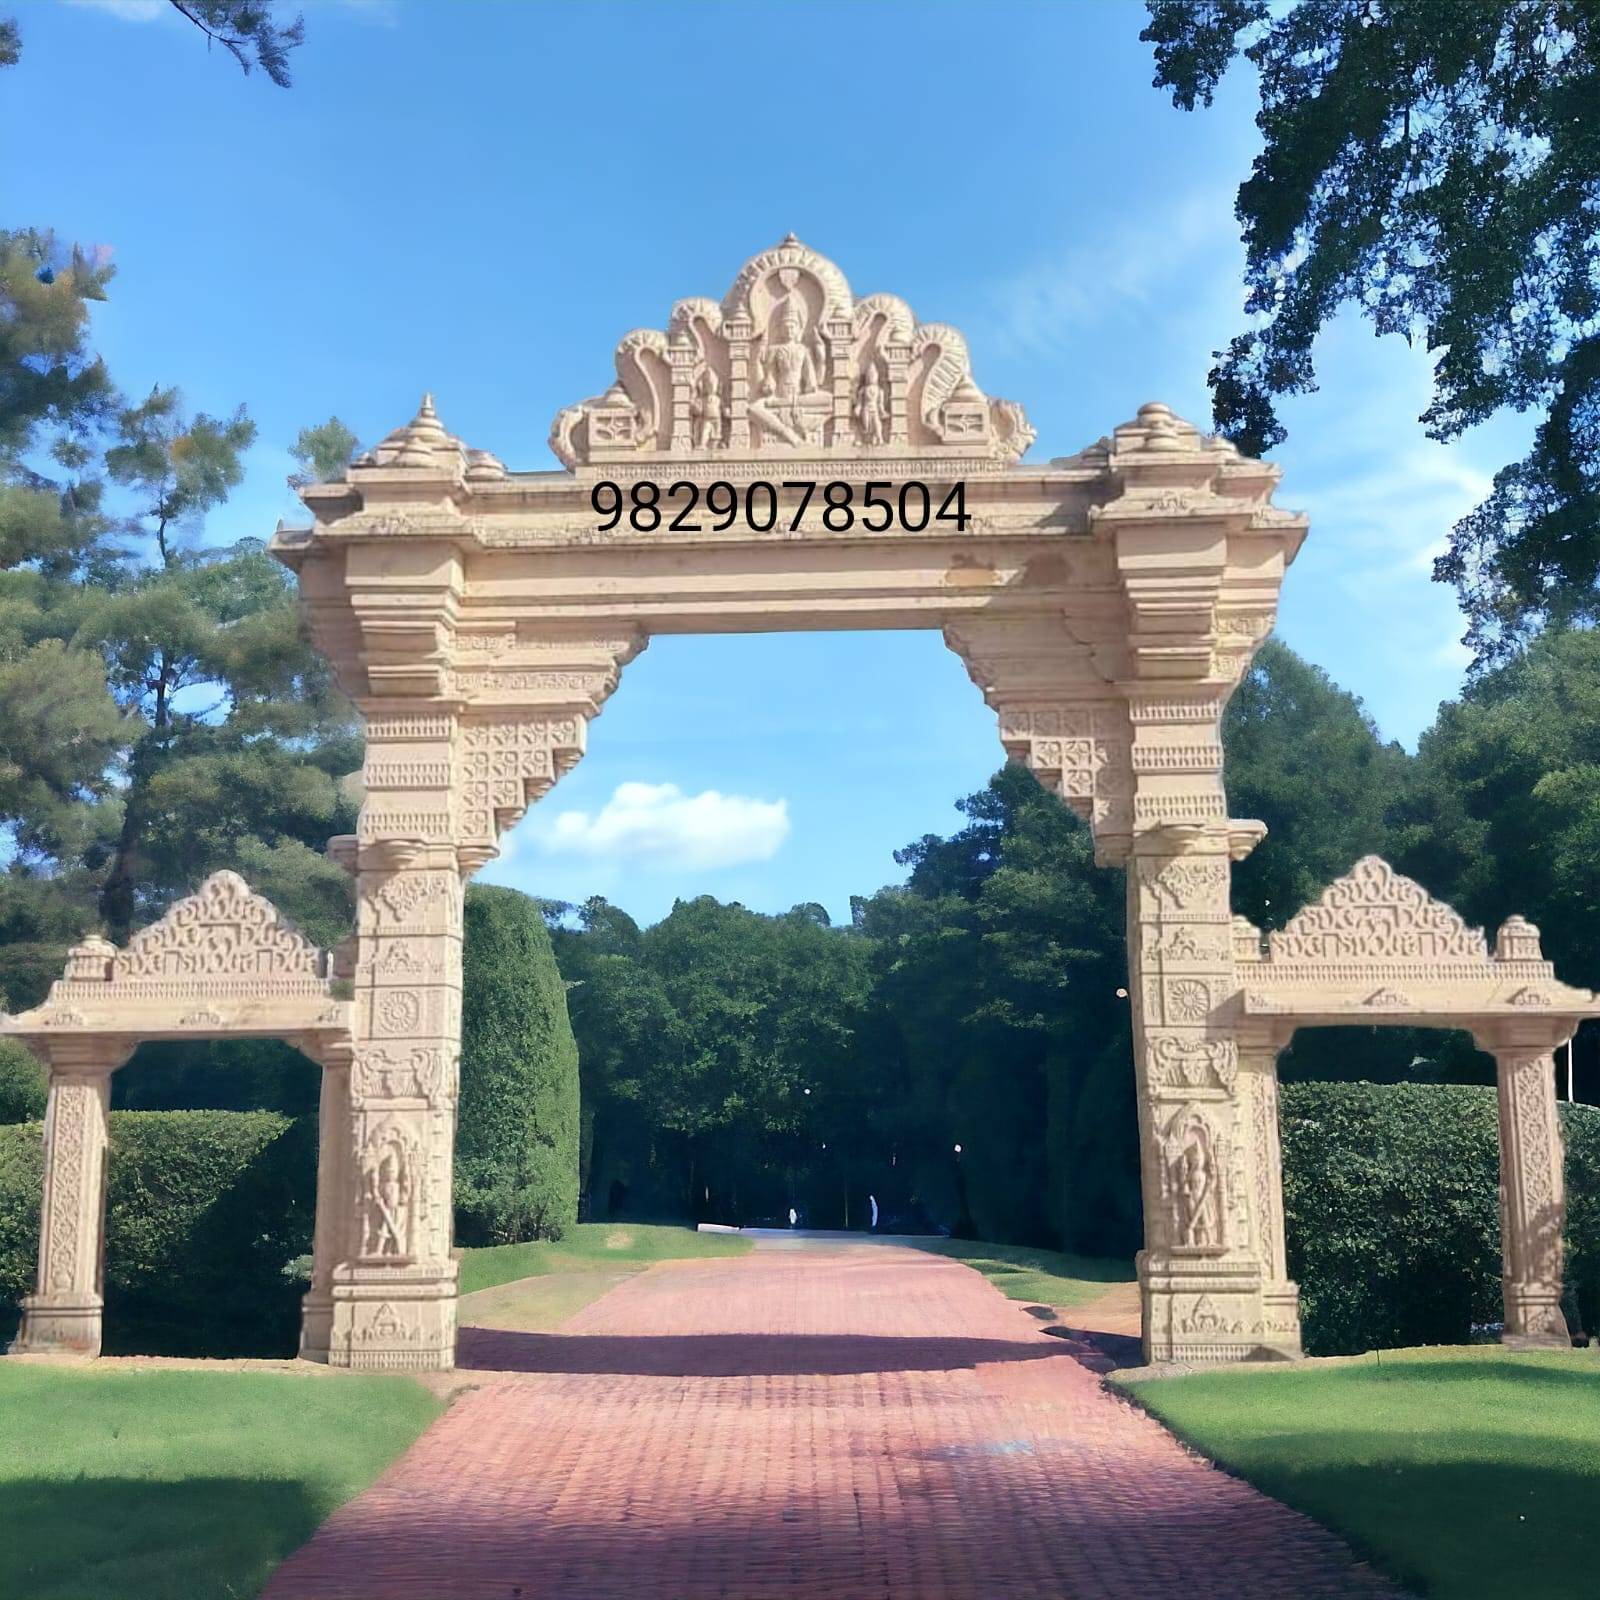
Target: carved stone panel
[{"x": 791, "y": 364}]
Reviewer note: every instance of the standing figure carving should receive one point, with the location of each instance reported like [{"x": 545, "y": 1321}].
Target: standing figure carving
[
  {"x": 1194, "y": 1194},
  {"x": 872, "y": 407},
  {"x": 707, "y": 409},
  {"x": 388, "y": 1196}
]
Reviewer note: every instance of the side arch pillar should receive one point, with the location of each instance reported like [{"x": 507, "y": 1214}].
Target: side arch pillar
[
  {"x": 65, "y": 1313},
  {"x": 1533, "y": 1202}
]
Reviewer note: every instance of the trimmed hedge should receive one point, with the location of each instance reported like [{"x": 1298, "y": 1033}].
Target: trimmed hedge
[
  {"x": 24, "y": 1084},
  {"x": 1391, "y": 1198},
  {"x": 518, "y": 1135},
  {"x": 204, "y": 1210}
]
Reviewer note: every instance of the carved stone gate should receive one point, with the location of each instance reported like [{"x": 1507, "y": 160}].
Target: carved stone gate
[{"x": 793, "y": 457}]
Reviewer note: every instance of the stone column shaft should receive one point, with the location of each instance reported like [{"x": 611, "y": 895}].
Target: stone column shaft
[
  {"x": 65, "y": 1312},
  {"x": 1532, "y": 1198},
  {"x": 1212, "y": 1260},
  {"x": 393, "y": 1290},
  {"x": 329, "y": 1244}
]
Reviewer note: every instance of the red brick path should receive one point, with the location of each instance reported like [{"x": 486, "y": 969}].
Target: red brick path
[{"x": 829, "y": 1421}]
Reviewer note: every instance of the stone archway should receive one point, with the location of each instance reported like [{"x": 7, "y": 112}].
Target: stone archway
[
  {"x": 220, "y": 964},
  {"x": 1377, "y": 948},
  {"x": 1106, "y": 603}
]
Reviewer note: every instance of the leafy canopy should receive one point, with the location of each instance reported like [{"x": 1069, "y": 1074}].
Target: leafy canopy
[{"x": 1439, "y": 169}]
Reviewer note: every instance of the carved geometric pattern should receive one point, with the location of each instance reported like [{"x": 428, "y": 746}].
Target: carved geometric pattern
[
  {"x": 1374, "y": 914},
  {"x": 73, "y": 1105},
  {"x": 224, "y": 929},
  {"x": 506, "y": 761}
]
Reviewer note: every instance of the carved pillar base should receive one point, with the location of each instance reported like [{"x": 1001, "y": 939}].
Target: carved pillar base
[
  {"x": 1534, "y": 1318},
  {"x": 60, "y": 1324},
  {"x": 316, "y": 1327},
  {"x": 393, "y": 1319},
  {"x": 1215, "y": 1311}
]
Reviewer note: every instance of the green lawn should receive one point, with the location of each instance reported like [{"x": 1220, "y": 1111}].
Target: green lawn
[
  {"x": 1470, "y": 1472},
  {"x": 590, "y": 1246},
  {"x": 148, "y": 1484},
  {"x": 1041, "y": 1277}
]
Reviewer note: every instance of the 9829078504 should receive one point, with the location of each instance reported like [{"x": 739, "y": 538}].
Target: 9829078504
[{"x": 789, "y": 506}]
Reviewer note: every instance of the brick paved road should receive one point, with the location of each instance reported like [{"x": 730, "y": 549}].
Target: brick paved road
[{"x": 833, "y": 1421}]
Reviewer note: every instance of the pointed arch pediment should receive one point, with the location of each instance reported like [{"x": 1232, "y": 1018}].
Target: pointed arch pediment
[
  {"x": 223, "y": 931},
  {"x": 1373, "y": 913},
  {"x": 1375, "y": 946},
  {"x": 224, "y": 961}
]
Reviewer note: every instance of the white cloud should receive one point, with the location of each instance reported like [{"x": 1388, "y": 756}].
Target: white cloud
[
  {"x": 1173, "y": 258},
  {"x": 657, "y": 824},
  {"x": 128, "y": 10}
]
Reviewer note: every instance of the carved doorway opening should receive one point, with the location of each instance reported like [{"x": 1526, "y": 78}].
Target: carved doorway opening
[{"x": 210, "y": 1191}]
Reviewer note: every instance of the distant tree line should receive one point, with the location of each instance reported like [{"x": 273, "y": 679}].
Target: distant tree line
[{"x": 735, "y": 1064}]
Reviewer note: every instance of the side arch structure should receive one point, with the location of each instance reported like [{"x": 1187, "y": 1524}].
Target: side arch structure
[
  {"x": 221, "y": 964},
  {"x": 1377, "y": 948}
]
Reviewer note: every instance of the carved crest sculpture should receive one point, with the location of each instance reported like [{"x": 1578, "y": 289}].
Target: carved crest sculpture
[{"x": 790, "y": 363}]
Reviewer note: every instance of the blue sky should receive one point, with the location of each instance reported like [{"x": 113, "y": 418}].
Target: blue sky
[{"x": 480, "y": 199}]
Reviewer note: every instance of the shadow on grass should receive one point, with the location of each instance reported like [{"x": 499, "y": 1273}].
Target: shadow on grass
[
  {"x": 142, "y": 1539},
  {"x": 1461, "y": 1530},
  {"x": 732, "y": 1355}
]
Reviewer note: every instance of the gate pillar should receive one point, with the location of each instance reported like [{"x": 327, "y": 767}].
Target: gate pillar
[
  {"x": 1533, "y": 1205},
  {"x": 65, "y": 1312}
]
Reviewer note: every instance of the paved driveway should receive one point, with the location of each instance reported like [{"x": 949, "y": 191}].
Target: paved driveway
[{"x": 830, "y": 1420}]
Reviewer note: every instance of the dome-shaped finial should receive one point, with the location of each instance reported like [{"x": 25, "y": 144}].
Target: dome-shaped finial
[{"x": 1518, "y": 940}]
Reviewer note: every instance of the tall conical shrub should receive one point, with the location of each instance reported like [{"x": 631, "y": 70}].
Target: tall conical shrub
[{"x": 517, "y": 1139}]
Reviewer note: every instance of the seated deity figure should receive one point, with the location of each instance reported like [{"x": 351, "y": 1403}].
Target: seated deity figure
[
  {"x": 872, "y": 407},
  {"x": 790, "y": 400},
  {"x": 706, "y": 409}
]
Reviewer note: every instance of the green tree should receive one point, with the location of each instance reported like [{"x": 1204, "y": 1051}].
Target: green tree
[
  {"x": 241, "y": 738},
  {"x": 1303, "y": 757},
  {"x": 1439, "y": 170},
  {"x": 249, "y": 31},
  {"x": 322, "y": 453},
  {"x": 1504, "y": 813},
  {"x": 516, "y": 1173},
  {"x": 997, "y": 974}
]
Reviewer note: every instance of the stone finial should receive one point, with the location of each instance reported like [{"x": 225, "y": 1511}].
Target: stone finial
[
  {"x": 90, "y": 961},
  {"x": 1517, "y": 940},
  {"x": 1164, "y": 430},
  {"x": 484, "y": 467},
  {"x": 423, "y": 442}
]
